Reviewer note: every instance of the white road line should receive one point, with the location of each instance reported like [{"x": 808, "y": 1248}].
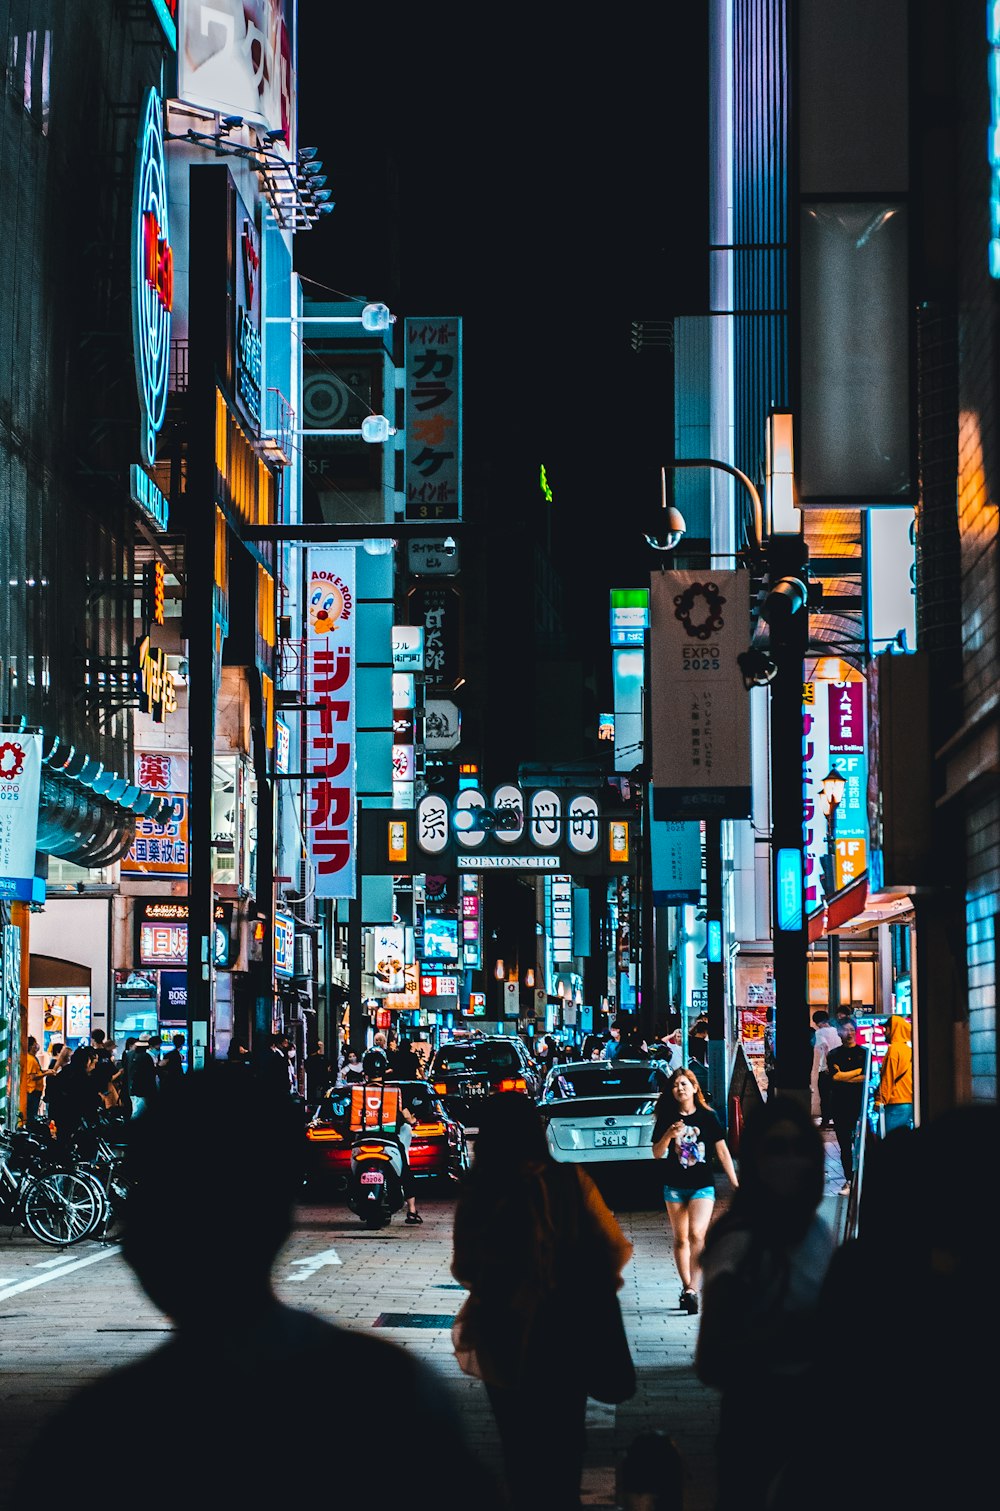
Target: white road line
[{"x": 54, "y": 1274}]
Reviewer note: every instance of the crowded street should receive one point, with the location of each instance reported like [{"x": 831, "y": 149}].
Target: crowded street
[{"x": 70, "y": 1316}]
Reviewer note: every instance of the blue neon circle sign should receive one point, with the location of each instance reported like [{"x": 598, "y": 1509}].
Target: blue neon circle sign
[{"x": 152, "y": 276}]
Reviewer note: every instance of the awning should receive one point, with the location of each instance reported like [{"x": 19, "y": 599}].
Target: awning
[{"x": 855, "y": 909}]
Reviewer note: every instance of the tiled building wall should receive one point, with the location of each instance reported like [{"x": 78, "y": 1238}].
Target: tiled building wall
[{"x": 977, "y": 496}]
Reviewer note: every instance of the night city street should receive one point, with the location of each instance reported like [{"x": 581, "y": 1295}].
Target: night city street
[{"x": 499, "y": 754}]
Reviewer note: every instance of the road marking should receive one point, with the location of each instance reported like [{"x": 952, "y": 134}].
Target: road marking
[
  {"x": 55, "y": 1274},
  {"x": 314, "y": 1262}
]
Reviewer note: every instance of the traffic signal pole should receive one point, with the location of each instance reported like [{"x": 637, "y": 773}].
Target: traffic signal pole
[{"x": 789, "y": 642}]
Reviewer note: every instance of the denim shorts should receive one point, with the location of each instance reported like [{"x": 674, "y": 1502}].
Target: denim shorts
[{"x": 674, "y": 1194}]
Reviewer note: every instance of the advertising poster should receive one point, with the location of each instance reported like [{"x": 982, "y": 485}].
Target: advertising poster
[
  {"x": 675, "y": 853},
  {"x": 331, "y": 809},
  {"x": 20, "y": 780},
  {"x": 699, "y": 707},
  {"x": 432, "y": 469},
  {"x": 389, "y": 958},
  {"x": 834, "y": 739}
]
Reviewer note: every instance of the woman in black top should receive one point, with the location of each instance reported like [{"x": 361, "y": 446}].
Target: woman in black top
[{"x": 686, "y": 1132}]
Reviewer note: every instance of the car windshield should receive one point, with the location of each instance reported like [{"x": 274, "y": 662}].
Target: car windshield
[
  {"x": 600, "y": 1080},
  {"x": 477, "y": 1057}
]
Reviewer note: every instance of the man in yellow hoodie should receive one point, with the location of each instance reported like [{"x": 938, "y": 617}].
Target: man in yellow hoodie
[{"x": 894, "y": 1094}]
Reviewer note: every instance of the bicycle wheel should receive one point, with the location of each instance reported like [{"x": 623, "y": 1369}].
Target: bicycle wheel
[{"x": 62, "y": 1207}]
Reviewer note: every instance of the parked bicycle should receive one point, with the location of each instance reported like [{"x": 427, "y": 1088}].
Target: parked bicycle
[
  {"x": 56, "y": 1204},
  {"x": 99, "y": 1153}
]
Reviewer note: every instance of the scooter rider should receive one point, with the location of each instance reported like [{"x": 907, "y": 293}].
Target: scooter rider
[{"x": 375, "y": 1065}]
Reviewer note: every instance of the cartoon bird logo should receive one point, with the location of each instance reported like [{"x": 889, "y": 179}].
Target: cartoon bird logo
[{"x": 326, "y": 604}]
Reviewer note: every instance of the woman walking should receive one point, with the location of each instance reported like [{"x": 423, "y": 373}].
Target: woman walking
[
  {"x": 534, "y": 1243},
  {"x": 686, "y": 1133}
]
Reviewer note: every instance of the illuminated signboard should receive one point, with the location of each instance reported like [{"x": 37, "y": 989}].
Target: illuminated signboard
[
  {"x": 247, "y": 377},
  {"x": 789, "y": 890},
  {"x": 629, "y": 615},
  {"x": 147, "y": 495},
  {"x": 236, "y": 58},
  {"x": 161, "y": 932},
  {"x": 332, "y": 720},
  {"x": 152, "y": 276},
  {"x": 157, "y": 692},
  {"x": 432, "y": 457},
  {"x": 993, "y": 135},
  {"x": 284, "y": 945}
]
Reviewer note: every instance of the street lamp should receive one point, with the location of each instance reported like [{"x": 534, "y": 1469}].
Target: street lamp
[{"x": 831, "y": 791}]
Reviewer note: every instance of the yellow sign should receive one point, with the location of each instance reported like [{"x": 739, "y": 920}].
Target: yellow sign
[
  {"x": 398, "y": 841},
  {"x": 618, "y": 842}
]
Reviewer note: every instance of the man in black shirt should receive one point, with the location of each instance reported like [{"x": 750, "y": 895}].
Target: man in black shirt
[{"x": 846, "y": 1066}]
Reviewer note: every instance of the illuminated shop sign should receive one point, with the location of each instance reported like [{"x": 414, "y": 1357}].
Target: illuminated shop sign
[
  {"x": 332, "y": 720},
  {"x": 432, "y": 465},
  {"x": 161, "y": 931},
  {"x": 147, "y": 495},
  {"x": 20, "y": 782},
  {"x": 157, "y": 690},
  {"x": 248, "y": 349},
  {"x": 235, "y": 58},
  {"x": 993, "y": 135},
  {"x": 152, "y": 277},
  {"x": 284, "y": 945}
]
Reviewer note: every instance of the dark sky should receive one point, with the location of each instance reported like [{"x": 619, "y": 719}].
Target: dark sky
[{"x": 550, "y": 187}]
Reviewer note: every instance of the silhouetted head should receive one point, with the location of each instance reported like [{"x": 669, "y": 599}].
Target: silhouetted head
[
  {"x": 217, "y": 1161},
  {"x": 83, "y": 1060},
  {"x": 781, "y": 1166},
  {"x": 511, "y": 1134}
]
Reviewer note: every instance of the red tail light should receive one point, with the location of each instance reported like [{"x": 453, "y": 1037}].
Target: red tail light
[
  {"x": 371, "y": 1151},
  {"x": 321, "y": 1134},
  {"x": 440, "y": 1087},
  {"x": 428, "y": 1130},
  {"x": 513, "y": 1085}
]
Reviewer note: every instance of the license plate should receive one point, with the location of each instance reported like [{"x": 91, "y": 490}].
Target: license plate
[
  {"x": 372, "y": 1178},
  {"x": 606, "y": 1138}
]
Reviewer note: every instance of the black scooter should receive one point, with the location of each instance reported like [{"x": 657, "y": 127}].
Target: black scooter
[{"x": 374, "y": 1186}]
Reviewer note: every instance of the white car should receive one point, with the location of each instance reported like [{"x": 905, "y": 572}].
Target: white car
[{"x": 601, "y": 1111}]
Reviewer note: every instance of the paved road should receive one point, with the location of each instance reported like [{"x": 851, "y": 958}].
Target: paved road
[{"x": 67, "y": 1316}]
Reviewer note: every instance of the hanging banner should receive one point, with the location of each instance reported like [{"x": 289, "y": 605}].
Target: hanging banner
[
  {"x": 237, "y": 59},
  {"x": 700, "y": 710},
  {"x": 432, "y": 474},
  {"x": 675, "y": 855},
  {"x": 20, "y": 781},
  {"x": 331, "y": 809}
]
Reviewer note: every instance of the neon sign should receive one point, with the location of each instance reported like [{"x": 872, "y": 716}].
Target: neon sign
[
  {"x": 152, "y": 276},
  {"x": 543, "y": 483},
  {"x": 166, "y": 14}
]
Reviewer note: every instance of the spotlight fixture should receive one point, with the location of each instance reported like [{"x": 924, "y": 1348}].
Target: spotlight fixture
[
  {"x": 306, "y": 154},
  {"x": 276, "y": 134},
  {"x": 230, "y": 122}
]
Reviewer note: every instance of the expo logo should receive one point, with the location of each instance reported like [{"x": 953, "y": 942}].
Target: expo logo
[{"x": 11, "y": 760}]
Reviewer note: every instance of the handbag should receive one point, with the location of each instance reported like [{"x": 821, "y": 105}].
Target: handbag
[
  {"x": 609, "y": 1369},
  {"x": 468, "y": 1363}
]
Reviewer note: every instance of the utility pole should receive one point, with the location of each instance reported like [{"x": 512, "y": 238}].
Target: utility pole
[{"x": 787, "y": 613}]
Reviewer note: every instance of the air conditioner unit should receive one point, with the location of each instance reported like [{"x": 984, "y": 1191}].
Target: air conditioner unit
[{"x": 303, "y": 955}]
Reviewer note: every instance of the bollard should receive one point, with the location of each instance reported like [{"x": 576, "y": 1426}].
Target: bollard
[{"x": 651, "y": 1475}]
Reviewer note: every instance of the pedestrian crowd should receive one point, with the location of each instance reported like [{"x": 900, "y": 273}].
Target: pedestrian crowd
[
  {"x": 66, "y": 1087},
  {"x": 784, "y": 1320}
]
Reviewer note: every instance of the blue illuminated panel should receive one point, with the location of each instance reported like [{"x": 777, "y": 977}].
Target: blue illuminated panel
[{"x": 789, "y": 890}]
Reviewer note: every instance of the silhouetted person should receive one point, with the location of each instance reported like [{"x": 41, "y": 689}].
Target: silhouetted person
[
  {"x": 140, "y": 1076},
  {"x": 74, "y": 1095},
  {"x": 217, "y": 1165},
  {"x": 172, "y": 1063},
  {"x": 532, "y": 1239},
  {"x": 763, "y": 1264}
]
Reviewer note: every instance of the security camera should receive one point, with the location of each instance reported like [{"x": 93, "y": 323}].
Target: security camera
[
  {"x": 676, "y": 526},
  {"x": 448, "y": 545},
  {"x": 757, "y": 668},
  {"x": 786, "y": 598}
]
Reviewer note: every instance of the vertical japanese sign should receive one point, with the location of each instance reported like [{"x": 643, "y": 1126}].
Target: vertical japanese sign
[
  {"x": 331, "y": 817},
  {"x": 161, "y": 849},
  {"x": 834, "y": 739},
  {"x": 246, "y": 313},
  {"x": 20, "y": 782},
  {"x": 433, "y": 418},
  {"x": 847, "y": 754},
  {"x": 675, "y": 857},
  {"x": 700, "y": 712},
  {"x": 439, "y": 611}
]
